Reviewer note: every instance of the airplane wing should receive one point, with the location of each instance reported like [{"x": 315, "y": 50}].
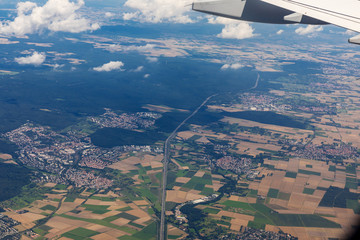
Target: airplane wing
[{"x": 343, "y": 13}]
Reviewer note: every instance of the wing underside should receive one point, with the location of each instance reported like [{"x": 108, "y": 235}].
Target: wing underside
[{"x": 343, "y": 13}]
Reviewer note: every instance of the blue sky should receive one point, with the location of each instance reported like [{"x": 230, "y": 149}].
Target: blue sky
[
  {"x": 153, "y": 11},
  {"x": 81, "y": 19}
]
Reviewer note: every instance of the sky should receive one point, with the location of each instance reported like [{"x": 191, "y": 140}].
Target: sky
[
  {"x": 46, "y": 17},
  {"x": 66, "y": 15}
]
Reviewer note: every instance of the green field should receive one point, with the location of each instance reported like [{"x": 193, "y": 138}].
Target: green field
[
  {"x": 253, "y": 193},
  {"x": 265, "y": 215},
  {"x": 284, "y": 196},
  {"x": 236, "y": 204},
  {"x": 102, "y": 222},
  {"x": 291, "y": 174},
  {"x": 174, "y": 236},
  {"x": 121, "y": 215},
  {"x": 28, "y": 194},
  {"x": 80, "y": 233},
  {"x": 350, "y": 169},
  {"x": 124, "y": 209},
  {"x": 40, "y": 231},
  {"x": 353, "y": 204},
  {"x": 332, "y": 168},
  {"x": 222, "y": 222},
  {"x": 136, "y": 225},
  {"x": 146, "y": 192},
  {"x": 309, "y": 191},
  {"x": 351, "y": 183},
  {"x": 97, "y": 209},
  {"x": 307, "y": 172},
  {"x": 127, "y": 216},
  {"x": 267, "y": 150},
  {"x": 48, "y": 207},
  {"x": 207, "y": 191},
  {"x": 60, "y": 187},
  {"x": 273, "y": 193},
  {"x": 147, "y": 233},
  {"x": 257, "y": 225},
  {"x": 211, "y": 210},
  {"x": 198, "y": 183},
  {"x": 105, "y": 199}
]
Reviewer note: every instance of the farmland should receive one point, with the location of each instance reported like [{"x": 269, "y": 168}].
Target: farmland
[
  {"x": 229, "y": 171},
  {"x": 287, "y": 187}
]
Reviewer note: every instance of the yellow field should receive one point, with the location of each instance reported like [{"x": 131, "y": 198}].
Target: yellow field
[{"x": 128, "y": 163}]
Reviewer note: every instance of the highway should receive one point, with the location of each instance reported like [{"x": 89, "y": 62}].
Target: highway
[
  {"x": 167, "y": 150},
  {"x": 162, "y": 233}
]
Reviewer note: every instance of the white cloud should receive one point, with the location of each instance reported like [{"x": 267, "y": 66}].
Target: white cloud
[
  {"x": 349, "y": 32},
  {"x": 233, "y": 28},
  {"x": 110, "y": 66},
  {"x": 34, "y": 59},
  {"x": 7, "y": 41},
  {"x": 240, "y": 30},
  {"x": 40, "y": 44},
  {"x": 118, "y": 48},
  {"x": 159, "y": 11},
  {"x": 308, "y": 30},
  {"x": 26, "y": 52},
  {"x": 280, "y": 32},
  {"x": 55, "y": 67},
  {"x": 132, "y": 15},
  {"x": 147, "y": 75},
  {"x": 58, "y": 66},
  {"x": 233, "y": 66},
  {"x": 138, "y": 69},
  {"x": 152, "y": 59},
  {"x": 221, "y": 20},
  {"x": 109, "y": 14},
  {"x": 54, "y": 15}
]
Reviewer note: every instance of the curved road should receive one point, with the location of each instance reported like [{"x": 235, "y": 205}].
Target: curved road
[{"x": 165, "y": 163}]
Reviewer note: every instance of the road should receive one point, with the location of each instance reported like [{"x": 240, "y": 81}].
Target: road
[
  {"x": 256, "y": 83},
  {"x": 162, "y": 235}
]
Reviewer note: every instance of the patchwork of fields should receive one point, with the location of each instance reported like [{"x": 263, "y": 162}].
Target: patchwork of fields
[{"x": 301, "y": 177}]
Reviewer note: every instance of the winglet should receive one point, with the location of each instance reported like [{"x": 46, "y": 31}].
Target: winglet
[
  {"x": 294, "y": 17},
  {"x": 224, "y": 8},
  {"x": 355, "y": 40}
]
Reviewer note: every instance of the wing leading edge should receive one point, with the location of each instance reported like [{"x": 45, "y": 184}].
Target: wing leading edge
[{"x": 344, "y": 14}]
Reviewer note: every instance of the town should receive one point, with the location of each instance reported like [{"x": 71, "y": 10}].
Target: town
[
  {"x": 58, "y": 155},
  {"x": 7, "y": 228},
  {"x": 268, "y": 102},
  {"x": 239, "y": 166},
  {"x": 258, "y": 234},
  {"x": 125, "y": 120},
  {"x": 323, "y": 152}
]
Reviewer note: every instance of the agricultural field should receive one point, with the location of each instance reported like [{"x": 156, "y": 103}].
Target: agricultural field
[
  {"x": 284, "y": 160},
  {"x": 121, "y": 213},
  {"x": 310, "y": 194},
  {"x": 87, "y": 215},
  {"x": 288, "y": 197}
]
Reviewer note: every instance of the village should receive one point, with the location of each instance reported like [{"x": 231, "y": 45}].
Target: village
[
  {"x": 125, "y": 120},
  {"x": 7, "y": 227},
  {"x": 273, "y": 178},
  {"x": 55, "y": 153}
]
